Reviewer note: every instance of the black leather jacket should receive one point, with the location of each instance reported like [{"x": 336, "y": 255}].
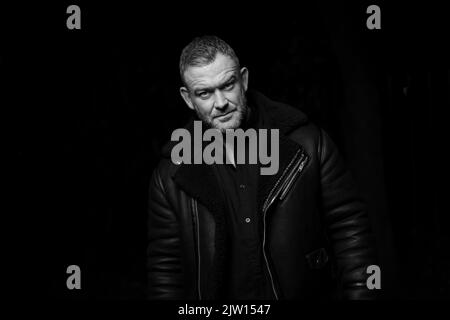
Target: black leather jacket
[{"x": 315, "y": 232}]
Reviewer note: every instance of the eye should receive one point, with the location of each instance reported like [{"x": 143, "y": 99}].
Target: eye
[
  {"x": 229, "y": 86},
  {"x": 203, "y": 94}
]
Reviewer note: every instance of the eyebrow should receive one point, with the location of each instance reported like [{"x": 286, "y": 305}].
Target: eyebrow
[{"x": 230, "y": 79}]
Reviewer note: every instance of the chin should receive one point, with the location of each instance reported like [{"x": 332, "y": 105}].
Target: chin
[{"x": 231, "y": 124}]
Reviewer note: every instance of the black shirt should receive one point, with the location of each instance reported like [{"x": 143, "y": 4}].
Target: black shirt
[{"x": 246, "y": 276}]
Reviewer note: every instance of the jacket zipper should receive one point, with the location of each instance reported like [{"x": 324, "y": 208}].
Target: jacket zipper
[
  {"x": 197, "y": 234},
  {"x": 298, "y": 168},
  {"x": 282, "y": 186}
]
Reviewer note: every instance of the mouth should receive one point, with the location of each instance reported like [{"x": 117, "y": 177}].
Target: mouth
[{"x": 225, "y": 117}]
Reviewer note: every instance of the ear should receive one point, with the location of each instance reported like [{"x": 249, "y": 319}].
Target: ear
[
  {"x": 244, "y": 77},
  {"x": 185, "y": 95}
]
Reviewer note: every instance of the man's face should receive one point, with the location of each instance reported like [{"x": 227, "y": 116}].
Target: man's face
[{"x": 217, "y": 92}]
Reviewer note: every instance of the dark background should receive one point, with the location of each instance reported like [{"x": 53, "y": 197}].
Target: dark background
[{"x": 87, "y": 111}]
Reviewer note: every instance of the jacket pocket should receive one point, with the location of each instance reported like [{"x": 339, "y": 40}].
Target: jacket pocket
[{"x": 317, "y": 259}]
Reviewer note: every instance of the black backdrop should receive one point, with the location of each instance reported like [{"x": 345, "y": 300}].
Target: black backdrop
[{"x": 88, "y": 110}]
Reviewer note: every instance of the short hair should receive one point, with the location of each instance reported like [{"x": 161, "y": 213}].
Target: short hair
[{"x": 202, "y": 51}]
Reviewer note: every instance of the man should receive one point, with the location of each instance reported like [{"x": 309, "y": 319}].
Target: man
[{"x": 224, "y": 231}]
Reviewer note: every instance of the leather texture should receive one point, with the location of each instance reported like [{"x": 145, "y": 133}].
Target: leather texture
[{"x": 316, "y": 235}]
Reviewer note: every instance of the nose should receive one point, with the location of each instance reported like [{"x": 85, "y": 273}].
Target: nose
[{"x": 220, "y": 101}]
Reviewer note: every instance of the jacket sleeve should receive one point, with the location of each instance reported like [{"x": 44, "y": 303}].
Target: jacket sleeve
[
  {"x": 347, "y": 224},
  {"x": 164, "y": 270}
]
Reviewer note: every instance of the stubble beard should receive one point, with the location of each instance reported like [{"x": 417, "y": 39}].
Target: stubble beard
[{"x": 242, "y": 113}]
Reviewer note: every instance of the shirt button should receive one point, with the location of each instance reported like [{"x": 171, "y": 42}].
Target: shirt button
[{"x": 247, "y": 220}]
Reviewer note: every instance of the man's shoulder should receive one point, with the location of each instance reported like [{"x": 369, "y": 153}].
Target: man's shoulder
[
  {"x": 291, "y": 121},
  {"x": 309, "y": 136},
  {"x": 278, "y": 114}
]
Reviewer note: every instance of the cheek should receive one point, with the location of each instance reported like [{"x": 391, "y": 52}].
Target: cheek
[
  {"x": 235, "y": 96},
  {"x": 204, "y": 107}
]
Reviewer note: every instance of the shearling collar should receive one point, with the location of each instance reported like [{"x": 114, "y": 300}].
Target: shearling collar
[{"x": 278, "y": 115}]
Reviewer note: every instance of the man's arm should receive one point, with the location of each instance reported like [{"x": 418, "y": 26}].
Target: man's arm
[
  {"x": 348, "y": 226},
  {"x": 164, "y": 272}
]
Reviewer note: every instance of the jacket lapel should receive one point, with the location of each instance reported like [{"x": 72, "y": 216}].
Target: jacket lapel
[
  {"x": 200, "y": 183},
  {"x": 275, "y": 115},
  {"x": 287, "y": 150}
]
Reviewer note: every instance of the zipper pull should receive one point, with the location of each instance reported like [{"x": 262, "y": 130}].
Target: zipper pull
[{"x": 293, "y": 176}]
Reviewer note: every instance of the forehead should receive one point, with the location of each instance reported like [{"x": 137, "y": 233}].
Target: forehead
[{"x": 221, "y": 68}]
